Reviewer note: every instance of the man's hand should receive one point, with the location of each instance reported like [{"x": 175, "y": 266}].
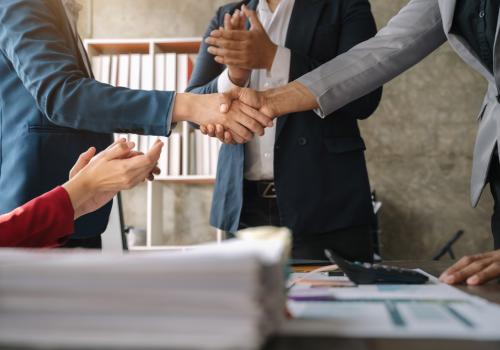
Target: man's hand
[
  {"x": 95, "y": 180},
  {"x": 474, "y": 270},
  {"x": 248, "y": 97},
  {"x": 239, "y": 76},
  {"x": 252, "y": 49},
  {"x": 241, "y": 120}
]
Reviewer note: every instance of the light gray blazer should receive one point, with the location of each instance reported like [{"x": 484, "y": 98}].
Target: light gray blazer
[{"x": 417, "y": 30}]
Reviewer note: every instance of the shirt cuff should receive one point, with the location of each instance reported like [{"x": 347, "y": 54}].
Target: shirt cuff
[
  {"x": 168, "y": 124},
  {"x": 224, "y": 83},
  {"x": 321, "y": 110}
]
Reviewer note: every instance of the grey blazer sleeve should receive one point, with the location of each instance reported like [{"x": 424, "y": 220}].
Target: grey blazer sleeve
[{"x": 409, "y": 36}]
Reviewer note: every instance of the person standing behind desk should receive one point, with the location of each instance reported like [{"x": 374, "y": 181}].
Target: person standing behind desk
[
  {"x": 472, "y": 29},
  {"x": 51, "y": 109},
  {"x": 308, "y": 173}
]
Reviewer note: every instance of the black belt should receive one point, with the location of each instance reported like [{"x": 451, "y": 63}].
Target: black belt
[{"x": 264, "y": 189}]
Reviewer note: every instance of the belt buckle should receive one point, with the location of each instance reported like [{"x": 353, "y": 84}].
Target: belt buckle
[{"x": 270, "y": 191}]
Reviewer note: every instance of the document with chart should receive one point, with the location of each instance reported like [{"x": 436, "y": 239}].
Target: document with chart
[{"x": 432, "y": 310}]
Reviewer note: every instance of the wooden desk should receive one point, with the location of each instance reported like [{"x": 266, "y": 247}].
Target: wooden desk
[{"x": 289, "y": 338}]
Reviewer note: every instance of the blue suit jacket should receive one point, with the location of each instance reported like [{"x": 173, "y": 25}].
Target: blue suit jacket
[
  {"x": 51, "y": 110},
  {"x": 319, "y": 166}
]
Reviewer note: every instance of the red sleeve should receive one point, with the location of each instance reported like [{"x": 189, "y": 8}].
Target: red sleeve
[{"x": 46, "y": 221}]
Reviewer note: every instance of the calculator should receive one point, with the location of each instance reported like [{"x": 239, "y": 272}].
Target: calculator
[{"x": 365, "y": 273}]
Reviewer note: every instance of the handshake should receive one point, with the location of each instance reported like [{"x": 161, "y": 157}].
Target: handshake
[
  {"x": 239, "y": 114},
  {"x": 243, "y": 114}
]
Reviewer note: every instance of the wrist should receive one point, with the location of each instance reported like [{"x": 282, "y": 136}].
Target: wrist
[
  {"x": 184, "y": 107},
  {"x": 238, "y": 79},
  {"x": 79, "y": 192},
  {"x": 293, "y": 97}
]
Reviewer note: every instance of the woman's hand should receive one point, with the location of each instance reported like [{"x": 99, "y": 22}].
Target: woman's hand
[
  {"x": 474, "y": 270},
  {"x": 95, "y": 180}
]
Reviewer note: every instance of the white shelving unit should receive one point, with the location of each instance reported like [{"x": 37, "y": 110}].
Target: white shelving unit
[{"x": 150, "y": 48}]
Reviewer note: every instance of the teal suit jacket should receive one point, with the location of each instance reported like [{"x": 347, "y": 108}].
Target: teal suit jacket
[{"x": 51, "y": 110}]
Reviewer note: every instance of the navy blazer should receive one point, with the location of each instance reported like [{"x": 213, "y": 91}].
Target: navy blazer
[
  {"x": 51, "y": 110},
  {"x": 319, "y": 165}
]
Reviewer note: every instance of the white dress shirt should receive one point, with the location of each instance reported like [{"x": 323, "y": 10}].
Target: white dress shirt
[{"x": 259, "y": 153}]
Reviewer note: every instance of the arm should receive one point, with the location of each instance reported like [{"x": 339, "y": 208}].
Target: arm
[
  {"x": 409, "y": 37},
  {"x": 358, "y": 25},
  {"x": 45, "y": 221},
  {"x": 43, "y": 60}
]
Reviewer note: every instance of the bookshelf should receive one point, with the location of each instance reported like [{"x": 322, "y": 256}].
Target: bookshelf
[{"x": 188, "y": 157}]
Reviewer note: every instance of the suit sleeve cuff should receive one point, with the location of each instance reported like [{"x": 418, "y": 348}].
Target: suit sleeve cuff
[
  {"x": 168, "y": 124},
  {"x": 321, "y": 110},
  {"x": 224, "y": 83}
]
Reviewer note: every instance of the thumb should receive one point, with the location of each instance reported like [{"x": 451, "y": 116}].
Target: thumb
[
  {"x": 254, "y": 20},
  {"x": 155, "y": 152},
  {"x": 82, "y": 161},
  {"x": 227, "y": 98}
]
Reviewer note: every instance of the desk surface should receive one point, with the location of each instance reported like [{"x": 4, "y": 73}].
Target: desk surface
[{"x": 287, "y": 340}]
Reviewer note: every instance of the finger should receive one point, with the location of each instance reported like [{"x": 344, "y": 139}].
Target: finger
[
  {"x": 226, "y": 99},
  {"x": 154, "y": 153},
  {"x": 219, "y": 132},
  {"x": 211, "y": 130},
  {"x": 263, "y": 119},
  {"x": 203, "y": 129},
  {"x": 226, "y": 53},
  {"x": 232, "y": 61},
  {"x": 223, "y": 44},
  {"x": 235, "y": 19},
  {"x": 254, "y": 20},
  {"x": 227, "y": 22},
  {"x": 247, "y": 121},
  {"x": 459, "y": 265},
  {"x": 228, "y": 138},
  {"x": 242, "y": 133},
  {"x": 119, "y": 150},
  {"x": 237, "y": 138},
  {"x": 230, "y": 34},
  {"x": 466, "y": 272},
  {"x": 82, "y": 161},
  {"x": 487, "y": 274}
]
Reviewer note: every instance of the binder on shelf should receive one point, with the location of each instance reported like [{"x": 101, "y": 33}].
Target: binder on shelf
[
  {"x": 105, "y": 69},
  {"x": 124, "y": 70},
  {"x": 146, "y": 72},
  {"x": 114, "y": 71},
  {"x": 170, "y": 72},
  {"x": 163, "y": 162},
  {"x": 198, "y": 140},
  {"x": 96, "y": 67},
  {"x": 214, "y": 155},
  {"x": 135, "y": 71},
  {"x": 206, "y": 155},
  {"x": 192, "y": 154},
  {"x": 159, "y": 70},
  {"x": 175, "y": 158}
]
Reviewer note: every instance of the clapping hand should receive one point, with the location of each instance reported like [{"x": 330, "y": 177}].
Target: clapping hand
[{"x": 96, "y": 179}]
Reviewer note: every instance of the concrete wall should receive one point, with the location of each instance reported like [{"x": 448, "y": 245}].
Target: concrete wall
[{"x": 419, "y": 141}]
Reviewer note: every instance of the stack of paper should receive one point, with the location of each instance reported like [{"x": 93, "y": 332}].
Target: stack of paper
[{"x": 228, "y": 296}]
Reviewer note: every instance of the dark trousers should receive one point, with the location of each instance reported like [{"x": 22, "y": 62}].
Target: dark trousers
[
  {"x": 88, "y": 243},
  {"x": 353, "y": 243},
  {"x": 494, "y": 180}
]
